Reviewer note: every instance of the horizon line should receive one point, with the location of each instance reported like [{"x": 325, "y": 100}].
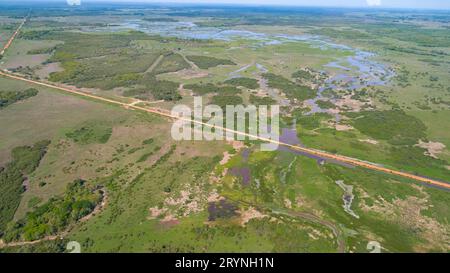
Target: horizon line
[{"x": 281, "y": 5}]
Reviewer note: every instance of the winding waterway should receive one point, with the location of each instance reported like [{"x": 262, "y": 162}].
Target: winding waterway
[{"x": 357, "y": 70}]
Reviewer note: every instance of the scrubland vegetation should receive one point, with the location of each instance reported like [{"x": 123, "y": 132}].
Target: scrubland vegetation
[
  {"x": 166, "y": 196},
  {"x": 24, "y": 161},
  {"x": 55, "y": 215},
  {"x": 291, "y": 89}
]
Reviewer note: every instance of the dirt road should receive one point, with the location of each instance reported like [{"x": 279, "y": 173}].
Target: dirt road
[
  {"x": 165, "y": 113},
  {"x": 8, "y": 44}
]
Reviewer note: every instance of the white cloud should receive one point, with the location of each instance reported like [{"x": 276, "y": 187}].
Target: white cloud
[
  {"x": 373, "y": 3},
  {"x": 74, "y": 2}
]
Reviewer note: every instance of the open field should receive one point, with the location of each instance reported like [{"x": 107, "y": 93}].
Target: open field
[{"x": 350, "y": 87}]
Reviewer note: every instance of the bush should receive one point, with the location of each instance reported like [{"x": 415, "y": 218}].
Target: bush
[
  {"x": 291, "y": 89},
  {"x": 303, "y": 75}
]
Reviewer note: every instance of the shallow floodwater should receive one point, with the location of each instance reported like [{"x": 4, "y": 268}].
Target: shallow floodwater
[
  {"x": 290, "y": 136},
  {"x": 243, "y": 173},
  {"x": 354, "y": 72}
]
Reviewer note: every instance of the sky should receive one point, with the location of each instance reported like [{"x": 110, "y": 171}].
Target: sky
[
  {"x": 408, "y": 4},
  {"x": 429, "y": 4}
]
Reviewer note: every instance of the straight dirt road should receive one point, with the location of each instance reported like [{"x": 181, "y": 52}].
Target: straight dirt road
[{"x": 10, "y": 41}]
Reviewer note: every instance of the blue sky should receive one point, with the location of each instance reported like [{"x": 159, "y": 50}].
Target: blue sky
[
  {"x": 435, "y": 4},
  {"x": 424, "y": 4}
]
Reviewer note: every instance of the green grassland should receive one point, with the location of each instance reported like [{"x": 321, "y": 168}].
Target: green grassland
[{"x": 167, "y": 196}]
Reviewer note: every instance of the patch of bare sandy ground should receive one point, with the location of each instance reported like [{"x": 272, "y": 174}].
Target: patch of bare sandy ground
[
  {"x": 343, "y": 127},
  {"x": 237, "y": 145},
  {"x": 249, "y": 214},
  {"x": 187, "y": 74},
  {"x": 370, "y": 141},
  {"x": 432, "y": 148}
]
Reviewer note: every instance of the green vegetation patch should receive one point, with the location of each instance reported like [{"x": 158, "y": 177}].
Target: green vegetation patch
[
  {"x": 171, "y": 63},
  {"x": 55, "y": 215},
  {"x": 224, "y": 100},
  {"x": 413, "y": 159},
  {"x": 291, "y": 89},
  {"x": 257, "y": 100},
  {"x": 303, "y": 75},
  {"x": 10, "y": 97},
  {"x": 244, "y": 82},
  {"x": 107, "y": 61},
  {"x": 393, "y": 125},
  {"x": 91, "y": 133},
  {"x": 422, "y": 36},
  {"x": 205, "y": 62},
  {"x": 153, "y": 88},
  {"x": 313, "y": 121},
  {"x": 85, "y": 45},
  {"x": 162, "y": 90},
  {"x": 325, "y": 104},
  {"x": 24, "y": 161},
  {"x": 105, "y": 72},
  {"x": 145, "y": 156}
]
